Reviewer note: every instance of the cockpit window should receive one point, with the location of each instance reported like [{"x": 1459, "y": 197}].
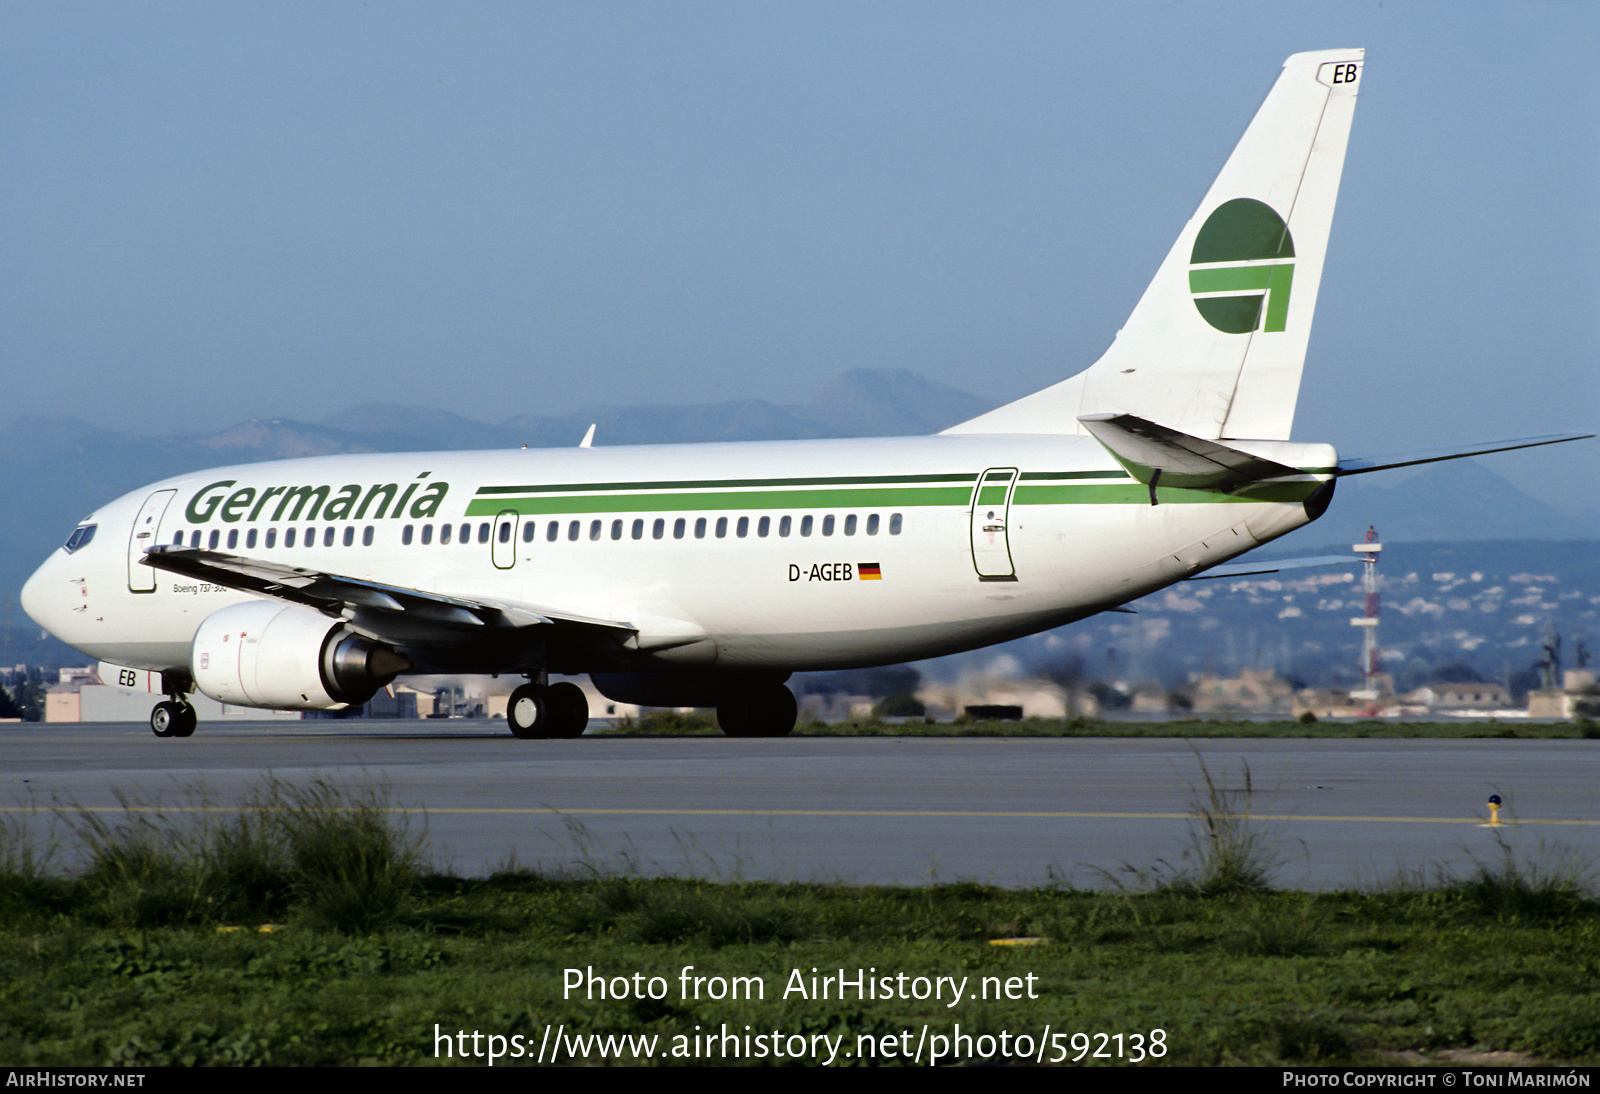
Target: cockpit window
[{"x": 81, "y": 535}]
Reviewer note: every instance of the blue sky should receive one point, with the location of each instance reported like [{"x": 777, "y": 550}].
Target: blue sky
[{"x": 217, "y": 212}]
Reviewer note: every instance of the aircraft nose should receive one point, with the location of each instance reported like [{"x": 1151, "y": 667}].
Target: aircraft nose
[{"x": 43, "y": 596}]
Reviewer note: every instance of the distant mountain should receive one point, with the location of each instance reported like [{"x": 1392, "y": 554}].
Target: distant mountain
[
  {"x": 858, "y": 403},
  {"x": 891, "y": 403}
]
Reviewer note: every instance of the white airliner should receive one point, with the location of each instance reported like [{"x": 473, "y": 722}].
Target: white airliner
[{"x": 706, "y": 574}]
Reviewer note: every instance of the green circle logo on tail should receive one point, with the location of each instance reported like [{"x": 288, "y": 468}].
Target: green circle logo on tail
[{"x": 1242, "y": 268}]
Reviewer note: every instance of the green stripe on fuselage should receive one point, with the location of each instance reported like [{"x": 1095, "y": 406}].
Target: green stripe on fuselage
[
  {"x": 1067, "y": 488},
  {"x": 1139, "y": 494}
]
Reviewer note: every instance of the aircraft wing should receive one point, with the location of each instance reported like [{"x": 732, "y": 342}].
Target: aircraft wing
[{"x": 388, "y": 612}]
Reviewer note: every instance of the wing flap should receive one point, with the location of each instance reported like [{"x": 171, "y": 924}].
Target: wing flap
[{"x": 338, "y": 596}]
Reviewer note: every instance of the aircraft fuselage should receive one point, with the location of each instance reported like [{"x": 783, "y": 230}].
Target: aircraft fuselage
[{"x": 782, "y": 555}]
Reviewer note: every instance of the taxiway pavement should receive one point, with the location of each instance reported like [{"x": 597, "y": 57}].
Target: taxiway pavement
[{"x": 1089, "y": 812}]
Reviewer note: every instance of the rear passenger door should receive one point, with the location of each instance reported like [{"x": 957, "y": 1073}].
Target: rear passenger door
[{"x": 991, "y": 511}]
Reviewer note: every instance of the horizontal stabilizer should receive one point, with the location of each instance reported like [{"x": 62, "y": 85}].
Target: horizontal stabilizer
[
  {"x": 1154, "y": 454},
  {"x": 1248, "y": 569},
  {"x": 1360, "y": 465}
]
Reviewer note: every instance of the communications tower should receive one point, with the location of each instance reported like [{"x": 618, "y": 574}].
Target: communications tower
[{"x": 1369, "y": 622}]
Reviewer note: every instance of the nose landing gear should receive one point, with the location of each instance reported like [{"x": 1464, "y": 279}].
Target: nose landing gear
[{"x": 173, "y": 718}]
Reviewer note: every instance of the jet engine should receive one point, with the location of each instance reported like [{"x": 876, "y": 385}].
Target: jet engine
[{"x": 281, "y": 657}]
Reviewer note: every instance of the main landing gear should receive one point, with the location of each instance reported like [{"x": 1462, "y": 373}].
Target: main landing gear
[
  {"x": 556, "y": 710},
  {"x": 173, "y": 718},
  {"x": 767, "y": 711}
]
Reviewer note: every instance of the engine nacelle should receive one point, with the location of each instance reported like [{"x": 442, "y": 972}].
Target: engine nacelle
[{"x": 281, "y": 657}]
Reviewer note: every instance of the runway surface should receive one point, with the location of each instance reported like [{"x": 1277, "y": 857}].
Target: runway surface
[{"x": 909, "y": 810}]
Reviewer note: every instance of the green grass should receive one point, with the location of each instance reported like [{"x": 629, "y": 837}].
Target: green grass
[
  {"x": 1228, "y": 854},
  {"x": 1258, "y": 978},
  {"x": 323, "y": 855},
  {"x": 150, "y": 952}
]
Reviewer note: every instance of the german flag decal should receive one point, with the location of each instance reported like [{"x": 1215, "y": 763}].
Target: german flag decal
[{"x": 868, "y": 571}]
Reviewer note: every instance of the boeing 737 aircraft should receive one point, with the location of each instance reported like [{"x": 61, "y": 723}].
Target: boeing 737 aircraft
[{"x": 705, "y": 574}]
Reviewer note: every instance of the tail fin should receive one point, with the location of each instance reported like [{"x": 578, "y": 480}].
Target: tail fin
[{"x": 1216, "y": 344}]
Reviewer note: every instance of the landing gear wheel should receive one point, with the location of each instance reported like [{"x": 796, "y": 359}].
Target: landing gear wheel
[
  {"x": 567, "y": 710},
  {"x": 183, "y": 725},
  {"x": 172, "y": 719},
  {"x": 734, "y": 715},
  {"x": 779, "y": 712},
  {"x": 528, "y": 712},
  {"x": 763, "y": 712}
]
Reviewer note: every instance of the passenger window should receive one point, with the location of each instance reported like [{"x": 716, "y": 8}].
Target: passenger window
[
  {"x": 327, "y": 536},
  {"x": 616, "y": 529},
  {"x": 311, "y": 537},
  {"x": 872, "y": 525},
  {"x": 427, "y": 534},
  {"x": 366, "y": 535},
  {"x": 216, "y": 537},
  {"x": 805, "y": 525},
  {"x": 405, "y": 535},
  {"x": 764, "y": 527},
  {"x": 350, "y": 535},
  {"x": 827, "y": 525},
  {"x": 743, "y": 529},
  {"x": 595, "y": 527},
  {"x": 505, "y": 532},
  {"x": 658, "y": 529},
  {"x": 444, "y": 532},
  {"x": 699, "y": 528},
  {"x": 466, "y": 533},
  {"x": 850, "y": 525},
  {"x": 250, "y": 540},
  {"x": 553, "y": 531},
  {"x": 784, "y": 525},
  {"x": 529, "y": 530},
  {"x": 638, "y": 529},
  {"x": 272, "y": 538},
  {"x": 194, "y": 538},
  {"x": 894, "y": 525},
  {"x": 678, "y": 527},
  {"x": 572, "y": 530},
  {"x": 288, "y": 537},
  {"x": 722, "y": 527},
  {"x": 233, "y": 538},
  {"x": 177, "y": 540}
]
